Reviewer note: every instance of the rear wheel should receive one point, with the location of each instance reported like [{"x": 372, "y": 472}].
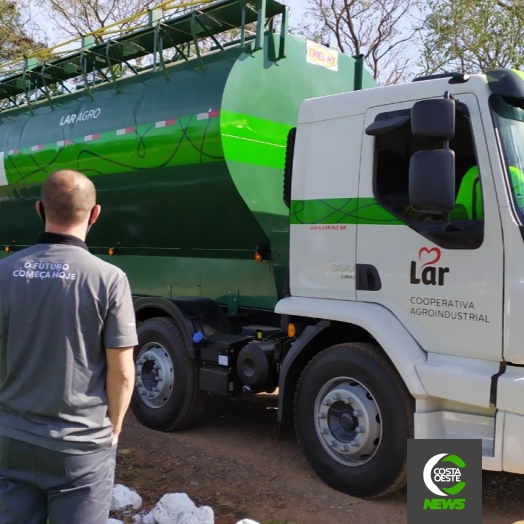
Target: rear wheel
[
  {"x": 166, "y": 396},
  {"x": 353, "y": 417}
]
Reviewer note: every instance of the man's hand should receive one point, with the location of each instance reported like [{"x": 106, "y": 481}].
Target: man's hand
[{"x": 120, "y": 382}]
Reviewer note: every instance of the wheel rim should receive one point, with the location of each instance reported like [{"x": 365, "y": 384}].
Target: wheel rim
[
  {"x": 154, "y": 375},
  {"x": 348, "y": 421}
]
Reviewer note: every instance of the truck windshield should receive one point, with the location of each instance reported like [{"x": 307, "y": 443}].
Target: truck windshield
[{"x": 509, "y": 120}]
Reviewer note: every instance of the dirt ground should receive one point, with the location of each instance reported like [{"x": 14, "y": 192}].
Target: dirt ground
[{"x": 233, "y": 461}]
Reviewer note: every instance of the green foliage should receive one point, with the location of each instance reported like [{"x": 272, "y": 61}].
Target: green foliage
[
  {"x": 473, "y": 35},
  {"x": 14, "y": 40}
]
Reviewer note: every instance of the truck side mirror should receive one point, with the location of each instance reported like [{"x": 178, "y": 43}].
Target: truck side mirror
[
  {"x": 434, "y": 118},
  {"x": 432, "y": 181}
]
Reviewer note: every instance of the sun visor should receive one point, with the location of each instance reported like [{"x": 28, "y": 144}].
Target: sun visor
[
  {"x": 385, "y": 125},
  {"x": 506, "y": 82}
]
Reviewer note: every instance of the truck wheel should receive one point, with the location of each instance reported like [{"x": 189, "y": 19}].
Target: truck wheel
[
  {"x": 353, "y": 416},
  {"x": 166, "y": 396}
]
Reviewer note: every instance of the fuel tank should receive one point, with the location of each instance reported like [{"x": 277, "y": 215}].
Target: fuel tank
[{"x": 187, "y": 160}]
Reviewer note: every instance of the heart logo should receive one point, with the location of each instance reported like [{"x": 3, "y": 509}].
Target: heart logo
[{"x": 429, "y": 256}]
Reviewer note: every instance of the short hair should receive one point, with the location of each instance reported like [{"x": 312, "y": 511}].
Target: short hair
[{"x": 68, "y": 197}]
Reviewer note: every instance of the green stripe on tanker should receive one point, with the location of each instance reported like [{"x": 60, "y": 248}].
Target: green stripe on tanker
[
  {"x": 253, "y": 140},
  {"x": 120, "y": 151},
  {"x": 331, "y": 211},
  {"x": 190, "y": 166}
]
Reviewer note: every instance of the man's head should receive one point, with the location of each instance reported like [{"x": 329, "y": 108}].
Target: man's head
[{"x": 69, "y": 202}]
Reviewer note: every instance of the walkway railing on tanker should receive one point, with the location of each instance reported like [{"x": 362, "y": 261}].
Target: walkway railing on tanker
[{"x": 101, "y": 57}]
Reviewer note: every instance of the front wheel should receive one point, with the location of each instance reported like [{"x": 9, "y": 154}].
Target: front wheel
[
  {"x": 353, "y": 416},
  {"x": 166, "y": 396}
]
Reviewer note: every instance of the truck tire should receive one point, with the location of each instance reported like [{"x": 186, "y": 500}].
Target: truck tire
[
  {"x": 353, "y": 416},
  {"x": 166, "y": 396}
]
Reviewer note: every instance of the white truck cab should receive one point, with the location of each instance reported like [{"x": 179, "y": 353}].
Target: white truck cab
[{"x": 407, "y": 238}]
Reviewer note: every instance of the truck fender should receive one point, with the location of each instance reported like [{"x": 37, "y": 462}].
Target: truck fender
[
  {"x": 191, "y": 314},
  {"x": 309, "y": 333},
  {"x": 398, "y": 344}
]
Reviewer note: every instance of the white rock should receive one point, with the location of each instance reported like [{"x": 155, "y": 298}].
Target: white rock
[
  {"x": 171, "y": 507},
  {"x": 125, "y": 499},
  {"x": 202, "y": 515},
  {"x": 247, "y": 521},
  {"x": 149, "y": 519},
  {"x": 144, "y": 518},
  {"x": 178, "y": 508}
]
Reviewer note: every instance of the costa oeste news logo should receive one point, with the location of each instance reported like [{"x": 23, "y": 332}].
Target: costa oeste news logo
[
  {"x": 444, "y": 481},
  {"x": 437, "y": 478}
]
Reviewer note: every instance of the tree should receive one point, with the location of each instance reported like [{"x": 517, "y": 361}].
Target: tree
[
  {"x": 15, "y": 39},
  {"x": 80, "y": 17},
  {"x": 381, "y": 30},
  {"x": 473, "y": 35}
]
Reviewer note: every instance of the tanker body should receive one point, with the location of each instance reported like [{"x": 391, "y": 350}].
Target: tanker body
[{"x": 188, "y": 164}]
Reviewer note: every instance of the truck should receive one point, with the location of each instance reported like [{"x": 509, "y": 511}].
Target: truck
[{"x": 287, "y": 226}]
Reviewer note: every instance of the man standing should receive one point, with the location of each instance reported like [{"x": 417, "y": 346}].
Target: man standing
[{"x": 67, "y": 331}]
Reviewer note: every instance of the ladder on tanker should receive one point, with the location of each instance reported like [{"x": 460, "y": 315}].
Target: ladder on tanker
[{"x": 100, "y": 56}]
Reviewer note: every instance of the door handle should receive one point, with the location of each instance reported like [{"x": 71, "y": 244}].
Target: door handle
[{"x": 368, "y": 278}]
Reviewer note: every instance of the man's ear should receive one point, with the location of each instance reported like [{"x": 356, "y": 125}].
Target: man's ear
[
  {"x": 95, "y": 213},
  {"x": 40, "y": 209}
]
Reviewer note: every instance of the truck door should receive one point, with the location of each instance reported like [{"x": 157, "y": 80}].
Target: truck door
[
  {"x": 322, "y": 212},
  {"x": 444, "y": 283}
]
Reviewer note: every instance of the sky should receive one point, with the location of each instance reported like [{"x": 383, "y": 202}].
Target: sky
[
  {"x": 296, "y": 7},
  {"x": 296, "y": 11}
]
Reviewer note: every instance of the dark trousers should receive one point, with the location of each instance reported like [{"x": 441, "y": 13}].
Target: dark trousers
[{"x": 38, "y": 484}]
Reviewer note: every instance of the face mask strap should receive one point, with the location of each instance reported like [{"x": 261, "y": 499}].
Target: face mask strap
[
  {"x": 90, "y": 221},
  {"x": 42, "y": 212}
]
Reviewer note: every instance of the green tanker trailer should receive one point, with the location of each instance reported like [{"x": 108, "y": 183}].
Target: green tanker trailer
[{"x": 187, "y": 153}]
